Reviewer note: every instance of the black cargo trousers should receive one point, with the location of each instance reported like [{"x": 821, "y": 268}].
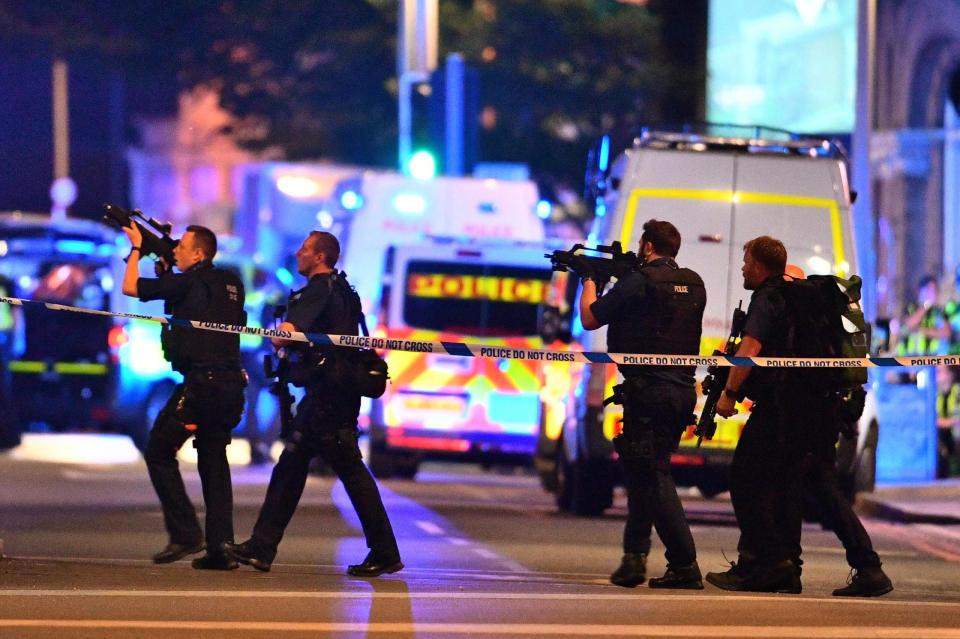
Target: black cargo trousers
[
  {"x": 323, "y": 426},
  {"x": 206, "y": 406},
  {"x": 655, "y": 415},
  {"x": 819, "y": 474}
]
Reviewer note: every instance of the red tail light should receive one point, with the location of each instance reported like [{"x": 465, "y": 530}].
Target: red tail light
[{"x": 117, "y": 337}]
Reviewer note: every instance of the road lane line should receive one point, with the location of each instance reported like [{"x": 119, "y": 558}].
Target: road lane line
[
  {"x": 507, "y": 629},
  {"x": 429, "y": 527},
  {"x": 458, "y": 541},
  {"x": 729, "y": 599}
]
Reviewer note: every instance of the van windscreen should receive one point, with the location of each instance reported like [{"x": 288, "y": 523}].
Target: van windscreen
[{"x": 473, "y": 299}]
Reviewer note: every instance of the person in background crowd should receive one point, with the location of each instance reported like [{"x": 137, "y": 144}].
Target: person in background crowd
[
  {"x": 948, "y": 420},
  {"x": 925, "y": 330}
]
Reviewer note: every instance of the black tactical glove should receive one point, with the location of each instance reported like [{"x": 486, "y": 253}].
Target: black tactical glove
[{"x": 582, "y": 267}]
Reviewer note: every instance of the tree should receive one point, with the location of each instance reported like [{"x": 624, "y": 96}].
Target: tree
[
  {"x": 555, "y": 74},
  {"x": 317, "y": 77}
]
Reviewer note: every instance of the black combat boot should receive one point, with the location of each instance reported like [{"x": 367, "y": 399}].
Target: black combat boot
[
  {"x": 865, "y": 582},
  {"x": 632, "y": 571},
  {"x": 680, "y": 578},
  {"x": 780, "y": 577},
  {"x": 175, "y": 552},
  {"x": 217, "y": 561},
  {"x": 248, "y": 553}
]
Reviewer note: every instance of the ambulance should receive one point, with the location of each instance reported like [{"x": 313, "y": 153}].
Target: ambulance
[
  {"x": 456, "y": 259},
  {"x": 720, "y": 189},
  {"x": 451, "y": 406}
]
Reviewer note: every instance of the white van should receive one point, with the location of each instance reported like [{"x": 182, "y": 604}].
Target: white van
[{"x": 719, "y": 192}]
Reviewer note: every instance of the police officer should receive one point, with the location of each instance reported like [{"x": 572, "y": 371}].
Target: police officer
[
  {"x": 766, "y": 468},
  {"x": 657, "y": 309},
  {"x": 326, "y": 420},
  {"x": 209, "y": 402}
]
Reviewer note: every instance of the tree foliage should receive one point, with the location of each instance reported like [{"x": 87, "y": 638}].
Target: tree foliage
[{"x": 317, "y": 77}]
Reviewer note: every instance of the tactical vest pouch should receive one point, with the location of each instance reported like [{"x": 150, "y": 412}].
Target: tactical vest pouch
[{"x": 634, "y": 448}]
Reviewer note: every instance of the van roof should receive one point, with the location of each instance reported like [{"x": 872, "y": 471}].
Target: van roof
[{"x": 782, "y": 143}]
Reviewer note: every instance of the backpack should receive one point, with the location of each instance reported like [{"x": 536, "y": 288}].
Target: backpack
[
  {"x": 826, "y": 321},
  {"x": 361, "y": 370}
]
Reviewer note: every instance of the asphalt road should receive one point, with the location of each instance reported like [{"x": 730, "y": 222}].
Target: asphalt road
[{"x": 485, "y": 555}]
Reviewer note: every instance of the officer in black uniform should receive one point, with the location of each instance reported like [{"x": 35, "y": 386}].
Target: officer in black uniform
[
  {"x": 766, "y": 469},
  {"x": 658, "y": 309},
  {"x": 209, "y": 402},
  {"x": 326, "y": 420}
]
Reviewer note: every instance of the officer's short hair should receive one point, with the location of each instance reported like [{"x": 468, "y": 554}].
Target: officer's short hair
[
  {"x": 768, "y": 251},
  {"x": 205, "y": 240},
  {"x": 327, "y": 244},
  {"x": 663, "y": 235},
  {"x": 926, "y": 280}
]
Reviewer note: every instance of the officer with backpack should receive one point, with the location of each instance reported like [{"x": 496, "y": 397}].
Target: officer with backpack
[
  {"x": 794, "y": 425},
  {"x": 656, "y": 309},
  {"x": 839, "y": 411},
  {"x": 765, "y": 472},
  {"x": 325, "y": 424}
]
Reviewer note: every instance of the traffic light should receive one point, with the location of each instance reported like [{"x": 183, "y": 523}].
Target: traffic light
[
  {"x": 453, "y": 115},
  {"x": 422, "y": 165}
]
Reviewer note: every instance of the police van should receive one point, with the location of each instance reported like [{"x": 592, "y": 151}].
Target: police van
[{"x": 719, "y": 190}]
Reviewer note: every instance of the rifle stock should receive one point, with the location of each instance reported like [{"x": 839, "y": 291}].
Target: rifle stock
[{"x": 716, "y": 380}]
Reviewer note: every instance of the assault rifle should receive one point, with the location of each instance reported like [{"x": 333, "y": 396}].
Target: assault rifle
[
  {"x": 716, "y": 380},
  {"x": 156, "y": 235},
  {"x": 280, "y": 372},
  {"x": 604, "y": 268}
]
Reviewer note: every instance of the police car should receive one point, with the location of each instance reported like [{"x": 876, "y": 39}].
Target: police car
[{"x": 60, "y": 367}]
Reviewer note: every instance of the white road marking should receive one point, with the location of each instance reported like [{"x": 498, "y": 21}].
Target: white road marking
[
  {"x": 429, "y": 527},
  {"x": 458, "y": 541},
  {"x": 486, "y": 554},
  {"x": 939, "y": 531},
  {"x": 729, "y": 599},
  {"x": 507, "y": 629}
]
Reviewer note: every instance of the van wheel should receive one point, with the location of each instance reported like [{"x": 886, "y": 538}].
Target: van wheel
[
  {"x": 710, "y": 488},
  {"x": 9, "y": 431},
  {"x": 385, "y": 464}
]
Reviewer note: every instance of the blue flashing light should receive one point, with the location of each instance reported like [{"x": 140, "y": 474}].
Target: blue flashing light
[
  {"x": 409, "y": 203},
  {"x": 351, "y": 200},
  {"x": 603, "y": 161},
  {"x": 544, "y": 209},
  {"x": 422, "y": 165},
  {"x": 83, "y": 247},
  {"x": 600, "y": 209},
  {"x": 284, "y": 276}
]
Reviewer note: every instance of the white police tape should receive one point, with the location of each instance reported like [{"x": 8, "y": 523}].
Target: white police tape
[{"x": 463, "y": 349}]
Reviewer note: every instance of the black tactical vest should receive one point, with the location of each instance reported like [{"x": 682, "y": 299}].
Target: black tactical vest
[
  {"x": 671, "y": 318},
  {"x": 220, "y": 301}
]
